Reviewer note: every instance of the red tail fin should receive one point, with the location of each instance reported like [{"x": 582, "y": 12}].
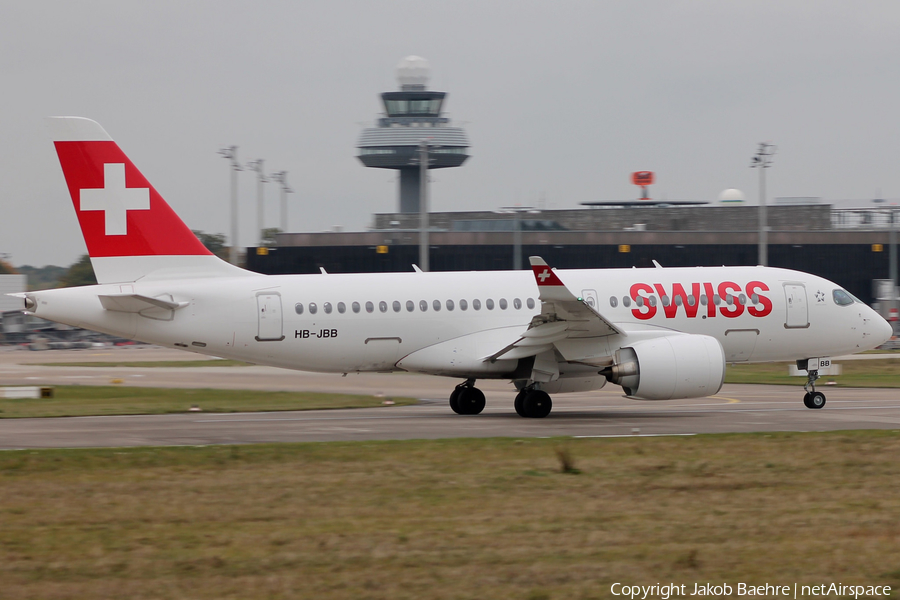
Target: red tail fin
[{"x": 121, "y": 215}]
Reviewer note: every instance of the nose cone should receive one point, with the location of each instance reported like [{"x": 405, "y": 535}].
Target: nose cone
[{"x": 884, "y": 330}]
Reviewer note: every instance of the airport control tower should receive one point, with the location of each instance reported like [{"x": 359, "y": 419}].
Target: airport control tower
[{"x": 412, "y": 114}]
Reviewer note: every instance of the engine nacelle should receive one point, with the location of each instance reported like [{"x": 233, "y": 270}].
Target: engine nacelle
[{"x": 669, "y": 367}]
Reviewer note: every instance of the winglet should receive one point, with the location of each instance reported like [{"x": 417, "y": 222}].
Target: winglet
[
  {"x": 543, "y": 274},
  {"x": 550, "y": 287}
]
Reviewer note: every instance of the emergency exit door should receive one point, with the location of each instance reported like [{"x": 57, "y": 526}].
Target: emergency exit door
[{"x": 268, "y": 312}]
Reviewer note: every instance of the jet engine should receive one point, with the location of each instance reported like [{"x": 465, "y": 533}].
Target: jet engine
[{"x": 668, "y": 367}]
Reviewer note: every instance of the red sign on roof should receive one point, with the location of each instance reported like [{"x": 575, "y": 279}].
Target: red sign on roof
[{"x": 642, "y": 178}]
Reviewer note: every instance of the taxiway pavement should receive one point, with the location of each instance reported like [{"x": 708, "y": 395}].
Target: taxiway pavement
[{"x": 737, "y": 408}]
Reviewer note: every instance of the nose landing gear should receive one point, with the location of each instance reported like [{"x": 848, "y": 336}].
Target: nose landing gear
[{"x": 813, "y": 399}]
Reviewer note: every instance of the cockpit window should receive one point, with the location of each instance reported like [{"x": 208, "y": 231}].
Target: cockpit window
[{"x": 842, "y": 298}]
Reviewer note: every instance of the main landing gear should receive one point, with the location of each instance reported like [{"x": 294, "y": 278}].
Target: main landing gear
[
  {"x": 813, "y": 399},
  {"x": 533, "y": 403},
  {"x": 467, "y": 399}
]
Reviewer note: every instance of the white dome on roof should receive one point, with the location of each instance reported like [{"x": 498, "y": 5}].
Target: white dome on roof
[
  {"x": 731, "y": 196},
  {"x": 413, "y": 71}
]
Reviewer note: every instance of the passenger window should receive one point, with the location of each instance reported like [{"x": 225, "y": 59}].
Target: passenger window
[
  {"x": 450, "y": 305},
  {"x": 342, "y": 308},
  {"x": 489, "y": 304},
  {"x": 717, "y": 300},
  {"x": 396, "y": 306},
  {"x": 530, "y": 303},
  {"x": 729, "y": 299},
  {"x": 704, "y": 300},
  {"x": 382, "y": 306},
  {"x": 355, "y": 307},
  {"x": 410, "y": 306},
  {"x": 652, "y": 300},
  {"x": 436, "y": 304},
  {"x": 476, "y": 304},
  {"x": 754, "y": 298},
  {"x": 613, "y": 301},
  {"x": 679, "y": 301},
  {"x": 298, "y": 308},
  {"x": 742, "y": 299},
  {"x": 517, "y": 304},
  {"x": 626, "y": 301},
  {"x": 503, "y": 304},
  {"x": 313, "y": 308},
  {"x": 327, "y": 307},
  {"x": 665, "y": 300},
  {"x": 423, "y": 305},
  {"x": 370, "y": 307},
  {"x": 842, "y": 298},
  {"x": 639, "y": 301},
  {"x": 463, "y": 305}
]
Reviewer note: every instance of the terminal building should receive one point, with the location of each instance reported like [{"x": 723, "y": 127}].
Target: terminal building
[{"x": 848, "y": 246}]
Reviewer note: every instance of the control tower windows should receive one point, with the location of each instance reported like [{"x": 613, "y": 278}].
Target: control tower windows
[
  {"x": 402, "y": 107},
  {"x": 397, "y": 107}
]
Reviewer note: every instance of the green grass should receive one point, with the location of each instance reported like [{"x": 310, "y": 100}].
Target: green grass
[
  {"x": 441, "y": 519},
  {"x": 151, "y": 364},
  {"x": 884, "y": 373},
  {"x": 75, "y": 400}
]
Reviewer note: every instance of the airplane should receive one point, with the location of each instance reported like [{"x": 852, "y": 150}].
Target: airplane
[{"x": 660, "y": 333}]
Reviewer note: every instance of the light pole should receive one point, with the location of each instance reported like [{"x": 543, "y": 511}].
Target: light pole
[
  {"x": 762, "y": 160},
  {"x": 257, "y": 165},
  {"x": 230, "y": 153},
  {"x": 517, "y": 231},
  {"x": 281, "y": 177},
  {"x": 424, "y": 249},
  {"x": 892, "y": 252}
]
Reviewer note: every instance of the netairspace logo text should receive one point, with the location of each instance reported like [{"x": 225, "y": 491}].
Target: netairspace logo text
[{"x": 670, "y": 590}]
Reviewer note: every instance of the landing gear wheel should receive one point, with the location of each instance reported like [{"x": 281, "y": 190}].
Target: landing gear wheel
[
  {"x": 520, "y": 403},
  {"x": 470, "y": 401},
  {"x": 454, "y": 401},
  {"x": 813, "y": 399},
  {"x": 537, "y": 404},
  {"x": 816, "y": 400}
]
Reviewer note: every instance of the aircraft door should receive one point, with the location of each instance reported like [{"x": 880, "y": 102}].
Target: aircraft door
[
  {"x": 590, "y": 298},
  {"x": 797, "y": 311},
  {"x": 268, "y": 312}
]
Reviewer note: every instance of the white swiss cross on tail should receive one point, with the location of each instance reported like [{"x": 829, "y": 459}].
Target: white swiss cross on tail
[{"x": 114, "y": 199}]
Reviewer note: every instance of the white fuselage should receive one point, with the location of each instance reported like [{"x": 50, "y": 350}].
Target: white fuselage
[{"x": 258, "y": 318}]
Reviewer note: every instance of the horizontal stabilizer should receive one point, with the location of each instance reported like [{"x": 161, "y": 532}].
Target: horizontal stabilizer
[{"x": 135, "y": 303}]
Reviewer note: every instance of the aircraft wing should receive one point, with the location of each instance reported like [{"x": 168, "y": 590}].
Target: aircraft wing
[{"x": 563, "y": 316}]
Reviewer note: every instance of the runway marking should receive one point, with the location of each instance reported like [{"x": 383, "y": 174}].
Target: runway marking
[
  {"x": 730, "y": 400},
  {"x": 324, "y": 430},
  {"x": 660, "y": 413},
  {"x": 626, "y": 435}
]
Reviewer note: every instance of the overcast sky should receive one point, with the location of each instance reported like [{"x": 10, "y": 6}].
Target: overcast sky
[{"x": 561, "y": 101}]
